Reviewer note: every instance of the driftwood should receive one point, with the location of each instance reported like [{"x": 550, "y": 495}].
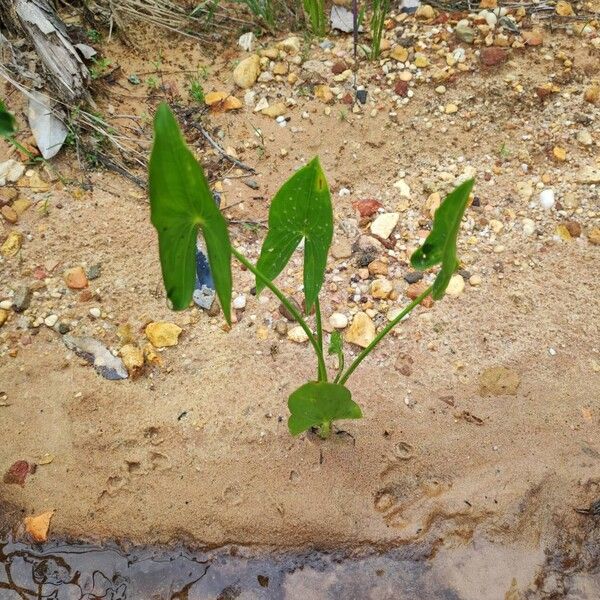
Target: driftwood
[{"x": 38, "y": 22}]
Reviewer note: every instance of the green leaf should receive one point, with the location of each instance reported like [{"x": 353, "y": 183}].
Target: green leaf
[
  {"x": 440, "y": 245},
  {"x": 335, "y": 343},
  {"x": 180, "y": 203},
  {"x": 8, "y": 125},
  {"x": 300, "y": 209},
  {"x": 318, "y": 404}
]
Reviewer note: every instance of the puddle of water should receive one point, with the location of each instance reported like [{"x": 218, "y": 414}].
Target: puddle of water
[{"x": 477, "y": 571}]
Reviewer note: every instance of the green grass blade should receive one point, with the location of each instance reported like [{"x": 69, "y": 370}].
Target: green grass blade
[
  {"x": 300, "y": 209},
  {"x": 180, "y": 202},
  {"x": 440, "y": 245}
]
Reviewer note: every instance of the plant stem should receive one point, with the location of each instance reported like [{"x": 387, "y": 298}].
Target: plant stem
[
  {"x": 325, "y": 430},
  {"x": 322, "y": 371},
  {"x": 382, "y": 334},
  {"x": 320, "y": 333}
]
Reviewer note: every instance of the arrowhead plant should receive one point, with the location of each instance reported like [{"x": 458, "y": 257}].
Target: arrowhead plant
[{"x": 182, "y": 205}]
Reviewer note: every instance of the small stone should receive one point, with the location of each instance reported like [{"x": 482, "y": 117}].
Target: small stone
[
  {"x": 247, "y": 71},
  {"x": 3, "y": 316},
  {"x": 338, "y": 320},
  {"x": 281, "y": 68},
  {"x": 413, "y": 277},
  {"x": 384, "y": 224},
  {"x": 399, "y": 53},
  {"x": 425, "y": 12},
  {"x": 11, "y": 171},
  {"x": 95, "y": 312},
  {"x": 12, "y": 244},
  {"x": 323, "y": 93},
  {"x": 281, "y": 327},
  {"x": 291, "y": 45},
  {"x": 378, "y": 267},
  {"x": 9, "y": 213},
  {"x": 297, "y": 334},
  {"x": 559, "y": 153},
  {"x": 464, "y": 32},
  {"x": 362, "y": 331},
  {"x": 341, "y": 250},
  {"x": 547, "y": 198},
  {"x": 528, "y": 226},
  {"x": 133, "y": 358},
  {"x": 94, "y": 272},
  {"x": 21, "y": 205},
  {"x": 432, "y": 203},
  {"x": 415, "y": 290},
  {"x": 284, "y": 312},
  {"x": 367, "y": 207},
  {"x": 499, "y": 381},
  {"x": 564, "y": 9},
  {"x": 533, "y": 38},
  {"x": 401, "y": 88},
  {"x": 75, "y": 278},
  {"x": 51, "y": 320},
  {"x": 493, "y": 56},
  {"x": 594, "y": 236},
  {"x": 381, "y": 288},
  {"x": 450, "y": 109},
  {"x": 162, "y": 334},
  {"x": 573, "y": 227},
  {"x": 246, "y": 41},
  {"x": 21, "y": 298},
  {"x": 403, "y": 188},
  {"x": 421, "y": 61},
  {"x": 239, "y": 302},
  {"x": 475, "y": 280},
  {"x": 456, "y": 285},
  {"x": 274, "y": 110},
  {"x": 592, "y": 94},
  {"x": 584, "y": 137}
]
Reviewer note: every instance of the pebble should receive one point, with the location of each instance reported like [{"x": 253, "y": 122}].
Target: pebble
[
  {"x": 12, "y": 244},
  {"x": 413, "y": 276},
  {"x": 384, "y": 224},
  {"x": 132, "y": 357},
  {"x": 162, "y": 334},
  {"x": 475, "y": 280},
  {"x": 21, "y": 298},
  {"x": 75, "y": 278},
  {"x": 239, "y": 302},
  {"x": 3, "y": 316},
  {"x": 51, "y": 320},
  {"x": 381, "y": 288},
  {"x": 297, "y": 334},
  {"x": 362, "y": 331},
  {"x": 341, "y": 250},
  {"x": 95, "y": 312},
  {"x": 338, "y": 320},
  {"x": 456, "y": 285},
  {"x": 584, "y": 137},
  {"x": 547, "y": 198},
  {"x": 499, "y": 381},
  {"x": 247, "y": 71},
  {"x": 528, "y": 226}
]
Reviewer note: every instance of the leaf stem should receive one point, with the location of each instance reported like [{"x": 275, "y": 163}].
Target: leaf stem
[
  {"x": 320, "y": 334},
  {"x": 322, "y": 371},
  {"x": 382, "y": 334}
]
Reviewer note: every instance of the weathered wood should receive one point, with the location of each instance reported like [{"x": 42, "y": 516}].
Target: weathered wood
[{"x": 39, "y": 23}]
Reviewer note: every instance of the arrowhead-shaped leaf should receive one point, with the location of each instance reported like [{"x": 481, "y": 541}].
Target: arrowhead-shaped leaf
[
  {"x": 440, "y": 245},
  {"x": 318, "y": 403},
  {"x": 300, "y": 209},
  {"x": 7, "y": 121},
  {"x": 180, "y": 202}
]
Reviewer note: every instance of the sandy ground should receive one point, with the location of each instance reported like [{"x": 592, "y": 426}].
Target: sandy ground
[{"x": 197, "y": 450}]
